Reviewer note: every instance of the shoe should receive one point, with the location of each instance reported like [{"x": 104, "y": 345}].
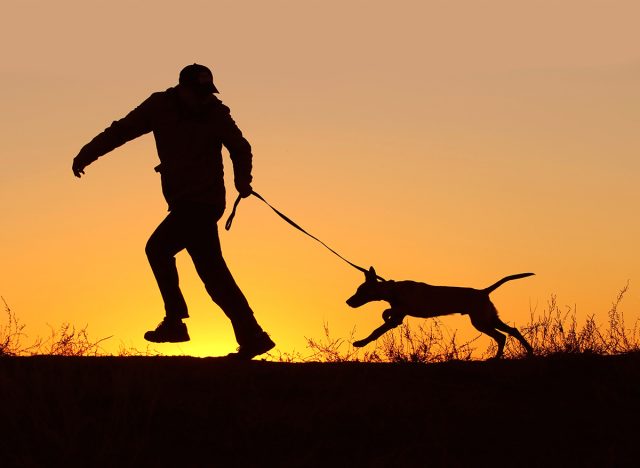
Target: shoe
[
  {"x": 168, "y": 331},
  {"x": 260, "y": 345}
]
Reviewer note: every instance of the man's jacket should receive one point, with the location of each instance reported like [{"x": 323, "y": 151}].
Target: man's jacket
[{"x": 189, "y": 145}]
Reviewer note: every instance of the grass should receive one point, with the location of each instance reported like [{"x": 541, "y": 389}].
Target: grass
[
  {"x": 554, "y": 331},
  {"x": 66, "y": 340}
]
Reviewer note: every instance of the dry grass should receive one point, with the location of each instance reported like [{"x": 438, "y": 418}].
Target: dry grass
[
  {"x": 65, "y": 340},
  {"x": 554, "y": 331},
  {"x": 12, "y": 335},
  {"x": 557, "y": 331},
  {"x": 429, "y": 342}
]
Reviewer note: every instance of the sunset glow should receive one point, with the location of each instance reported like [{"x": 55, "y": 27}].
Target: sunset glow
[{"x": 447, "y": 142}]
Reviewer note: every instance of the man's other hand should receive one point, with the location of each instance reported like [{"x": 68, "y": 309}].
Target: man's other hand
[{"x": 244, "y": 189}]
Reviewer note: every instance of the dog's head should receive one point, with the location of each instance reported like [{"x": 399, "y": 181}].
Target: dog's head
[{"x": 367, "y": 291}]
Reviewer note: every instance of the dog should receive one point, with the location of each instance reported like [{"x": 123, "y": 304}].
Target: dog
[{"x": 424, "y": 300}]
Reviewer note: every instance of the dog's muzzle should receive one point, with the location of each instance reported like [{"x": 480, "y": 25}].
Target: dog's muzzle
[{"x": 353, "y": 302}]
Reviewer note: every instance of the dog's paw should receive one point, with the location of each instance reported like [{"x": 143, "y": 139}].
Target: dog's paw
[{"x": 359, "y": 343}]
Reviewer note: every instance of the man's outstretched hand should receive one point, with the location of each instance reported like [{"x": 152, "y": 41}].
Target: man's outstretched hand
[{"x": 78, "y": 167}]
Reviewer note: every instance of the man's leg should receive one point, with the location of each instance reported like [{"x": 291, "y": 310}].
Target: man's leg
[
  {"x": 203, "y": 245},
  {"x": 165, "y": 242}
]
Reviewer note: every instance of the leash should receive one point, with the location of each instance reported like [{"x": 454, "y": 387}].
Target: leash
[{"x": 227, "y": 226}]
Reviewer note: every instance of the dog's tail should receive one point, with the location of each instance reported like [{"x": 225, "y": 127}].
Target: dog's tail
[{"x": 495, "y": 286}]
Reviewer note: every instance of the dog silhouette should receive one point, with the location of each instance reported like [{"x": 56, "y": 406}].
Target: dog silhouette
[{"x": 424, "y": 300}]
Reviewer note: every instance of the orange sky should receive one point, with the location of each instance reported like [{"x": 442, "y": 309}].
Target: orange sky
[{"x": 446, "y": 142}]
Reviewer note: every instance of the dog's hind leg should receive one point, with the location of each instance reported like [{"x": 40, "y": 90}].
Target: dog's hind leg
[
  {"x": 496, "y": 335},
  {"x": 485, "y": 320},
  {"x": 516, "y": 334}
]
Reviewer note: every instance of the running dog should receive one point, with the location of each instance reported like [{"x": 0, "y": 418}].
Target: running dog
[{"x": 424, "y": 301}]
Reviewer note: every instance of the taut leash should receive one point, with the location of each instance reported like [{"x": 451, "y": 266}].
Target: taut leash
[{"x": 227, "y": 226}]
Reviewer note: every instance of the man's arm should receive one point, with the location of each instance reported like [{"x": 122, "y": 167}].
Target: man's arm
[
  {"x": 135, "y": 124},
  {"x": 240, "y": 153}
]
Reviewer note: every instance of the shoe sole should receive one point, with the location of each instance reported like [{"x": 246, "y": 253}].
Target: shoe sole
[
  {"x": 167, "y": 341},
  {"x": 248, "y": 357},
  {"x": 179, "y": 340}
]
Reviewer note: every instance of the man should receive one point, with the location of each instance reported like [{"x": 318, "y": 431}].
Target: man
[{"x": 190, "y": 125}]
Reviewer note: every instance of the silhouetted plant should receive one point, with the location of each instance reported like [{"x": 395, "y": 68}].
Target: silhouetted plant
[
  {"x": 67, "y": 341},
  {"x": 286, "y": 357},
  {"x": 330, "y": 349},
  {"x": 127, "y": 351},
  {"x": 431, "y": 341},
  {"x": 557, "y": 332},
  {"x": 64, "y": 341},
  {"x": 427, "y": 343},
  {"x": 620, "y": 338},
  {"x": 12, "y": 335}
]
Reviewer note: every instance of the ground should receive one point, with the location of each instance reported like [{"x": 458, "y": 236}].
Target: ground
[{"x": 181, "y": 411}]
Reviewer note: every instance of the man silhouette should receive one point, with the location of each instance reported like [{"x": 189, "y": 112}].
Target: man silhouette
[{"x": 190, "y": 125}]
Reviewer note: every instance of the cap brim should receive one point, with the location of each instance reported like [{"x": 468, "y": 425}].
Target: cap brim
[{"x": 210, "y": 87}]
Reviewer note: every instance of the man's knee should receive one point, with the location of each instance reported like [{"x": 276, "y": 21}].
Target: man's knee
[
  {"x": 150, "y": 249},
  {"x": 156, "y": 252}
]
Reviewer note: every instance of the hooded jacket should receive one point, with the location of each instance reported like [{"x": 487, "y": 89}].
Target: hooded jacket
[{"x": 189, "y": 145}]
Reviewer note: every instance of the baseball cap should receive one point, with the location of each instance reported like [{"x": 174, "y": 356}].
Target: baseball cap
[{"x": 198, "y": 77}]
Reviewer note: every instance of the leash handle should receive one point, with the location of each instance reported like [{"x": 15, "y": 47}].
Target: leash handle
[{"x": 227, "y": 226}]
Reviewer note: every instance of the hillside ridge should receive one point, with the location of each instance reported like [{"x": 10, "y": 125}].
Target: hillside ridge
[{"x": 101, "y": 411}]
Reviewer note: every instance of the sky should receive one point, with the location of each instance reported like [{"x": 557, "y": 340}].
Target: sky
[{"x": 449, "y": 142}]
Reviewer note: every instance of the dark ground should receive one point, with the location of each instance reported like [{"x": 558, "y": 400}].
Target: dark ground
[{"x": 181, "y": 411}]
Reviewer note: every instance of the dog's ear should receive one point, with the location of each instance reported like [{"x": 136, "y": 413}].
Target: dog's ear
[{"x": 371, "y": 275}]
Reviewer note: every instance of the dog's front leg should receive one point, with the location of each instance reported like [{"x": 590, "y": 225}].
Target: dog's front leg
[
  {"x": 387, "y": 315},
  {"x": 391, "y": 320}
]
